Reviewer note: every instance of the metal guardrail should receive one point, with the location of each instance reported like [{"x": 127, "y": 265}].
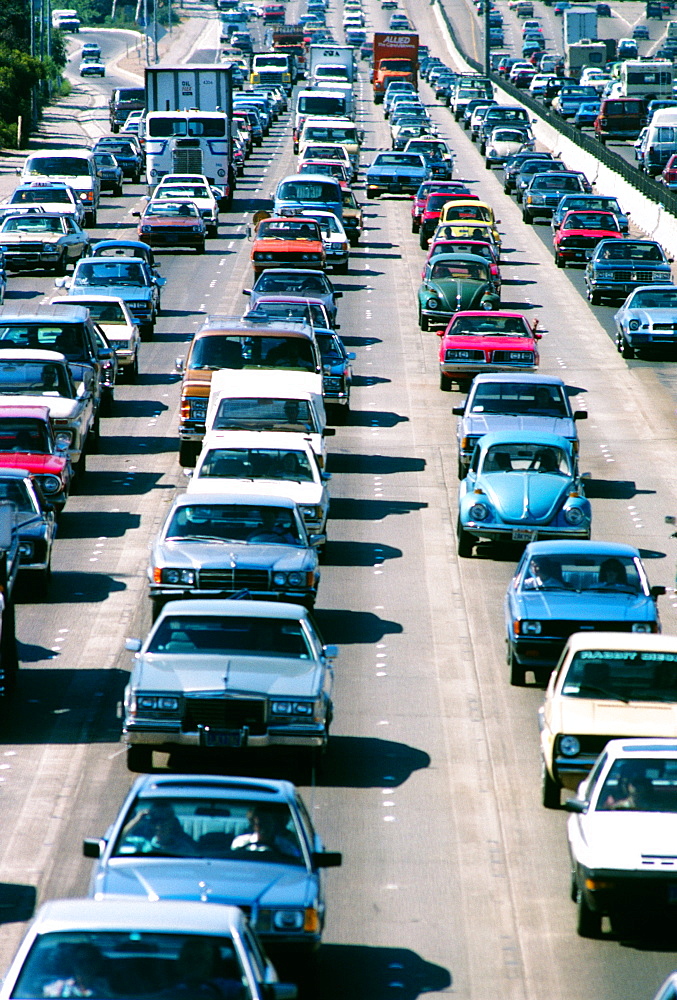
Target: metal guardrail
[{"x": 650, "y": 188}]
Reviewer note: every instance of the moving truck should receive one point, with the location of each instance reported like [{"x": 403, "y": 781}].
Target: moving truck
[
  {"x": 395, "y": 58},
  {"x": 332, "y": 55}
]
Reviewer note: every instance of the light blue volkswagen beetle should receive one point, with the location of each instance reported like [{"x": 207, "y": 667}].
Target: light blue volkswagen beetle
[{"x": 521, "y": 486}]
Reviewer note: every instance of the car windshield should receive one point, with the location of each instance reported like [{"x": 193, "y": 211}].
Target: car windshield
[
  {"x": 233, "y": 523},
  {"x": 398, "y": 160},
  {"x": 103, "y": 964},
  {"x": 591, "y": 220},
  {"x": 492, "y": 326},
  {"x": 507, "y": 135},
  {"x": 24, "y": 435},
  {"x": 626, "y": 250},
  {"x": 285, "y": 465},
  {"x": 300, "y": 310},
  {"x": 330, "y": 347},
  {"x": 242, "y": 351},
  {"x": 68, "y": 339},
  {"x": 264, "y": 413},
  {"x": 39, "y": 378},
  {"x": 458, "y": 271},
  {"x": 336, "y": 169},
  {"x": 333, "y": 133},
  {"x": 626, "y": 674},
  {"x": 105, "y": 312},
  {"x": 555, "y": 184},
  {"x": 183, "y": 191},
  {"x": 519, "y": 398},
  {"x": 230, "y": 829},
  {"x": 229, "y": 635},
  {"x": 297, "y": 284},
  {"x": 109, "y": 274},
  {"x": 105, "y": 160},
  {"x": 39, "y": 195},
  {"x": 641, "y": 785},
  {"x": 32, "y": 224},
  {"x": 58, "y": 166},
  {"x": 603, "y": 574},
  {"x": 654, "y": 299},
  {"x": 287, "y": 230},
  {"x": 537, "y": 458},
  {"x": 167, "y": 208},
  {"x": 457, "y": 246}
]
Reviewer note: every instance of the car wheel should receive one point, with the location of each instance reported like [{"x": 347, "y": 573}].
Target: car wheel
[
  {"x": 62, "y": 266},
  {"x": 370, "y": 194},
  {"x": 213, "y": 231},
  {"x": 81, "y": 467},
  {"x": 44, "y": 580},
  {"x": 460, "y": 468},
  {"x": 133, "y": 370},
  {"x": 550, "y": 791},
  {"x": 414, "y": 226},
  {"x": 560, "y": 261},
  {"x": 9, "y": 656},
  {"x": 342, "y": 268},
  {"x": 423, "y": 321},
  {"x": 146, "y": 331},
  {"x": 187, "y": 454},
  {"x": 94, "y": 439},
  {"x": 201, "y": 248},
  {"x": 487, "y": 164},
  {"x": 517, "y": 672},
  {"x": 464, "y": 542},
  {"x": 117, "y": 191},
  {"x": 627, "y": 350},
  {"x": 445, "y": 384},
  {"x": 573, "y": 887},
  {"x": 139, "y": 759},
  {"x": 422, "y": 240},
  {"x": 526, "y": 217},
  {"x": 594, "y": 297},
  {"x": 588, "y": 923}
]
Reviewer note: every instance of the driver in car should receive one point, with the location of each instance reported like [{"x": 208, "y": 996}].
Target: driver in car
[{"x": 268, "y": 833}]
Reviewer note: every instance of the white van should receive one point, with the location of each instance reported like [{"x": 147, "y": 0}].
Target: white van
[
  {"x": 660, "y": 141},
  {"x": 284, "y": 401},
  {"x": 75, "y": 167}
]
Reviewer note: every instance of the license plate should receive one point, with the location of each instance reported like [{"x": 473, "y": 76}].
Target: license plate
[
  {"x": 221, "y": 737},
  {"x": 169, "y": 238},
  {"x": 523, "y": 535}
]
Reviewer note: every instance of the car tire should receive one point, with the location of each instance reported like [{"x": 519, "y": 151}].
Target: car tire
[
  {"x": 133, "y": 370},
  {"x": 526, "y": 217},
  {"x": 464, "y": 542},
  {"x": 423, "y": 321},
  {"x": 460, "y": 469},
  {"x": 422, "y": 240},
  {"x": 213, "y": 231},
  {"x": 9, "y": 655},
  {"x": 139, "y": 759},
  {"x": 94, "y": 438},
  {"x": 627, "y": 350},
  {"x": 342, "y": 268},
  {"x": 370, "y": 195},
  {"x": 44, "y": 580},
  {"x": 187, "y": 454},
  {"x": 560, "y": 260},
  {"x": 487, "y": 164},
  {"x": 445, "y": 384},
  {"x": 588, "y": 923},
  {"x": 201, "y": 248},
  {"x": 594, "y": 297},
  {"x": 414, "y": 227},
  {"x": 81, "y": 467},
  {"x": 61, "y": 266},
  {"x": 117, "y": 191},
  {"x": 550, "y": 790},
  {"x": 146, "y": 331},
  {"x": 517, "y": 672}
]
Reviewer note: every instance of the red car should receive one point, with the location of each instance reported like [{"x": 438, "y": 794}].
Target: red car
[
  {"x": 477, "y": 341},
  {"x": 27, "y": 442},
  {"x": 426, "y": 188},
  {"x": 669, "y": 175},
  {"x": 478, "y": 247},
  {"x": 580, "y": 232},
  {"x": 432, "y": 210}
]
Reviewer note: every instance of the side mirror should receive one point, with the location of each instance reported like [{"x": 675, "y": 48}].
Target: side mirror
[
  {"x": 657, "y": 591},
  {"x": 325, "y": 476},
  {"x": 351, "y": 356},
  {"x": 439, "y": 333},
  {"x": 249, "y": 232},
  {"x": 581, "y": 415},
  {"x": 338, "y": 295},
  {"x": 179, "y": 364},
  {"x": 317, "y": 541},
  {"x": 330, "y": 652},
  {"x": 62, "y": 283},
  {"x": 160, "y": 282},
  {"x": 575, "y": 805},
  {"x": 133, "y": 645},
  {"x": 337, "y": 326},
  {"x": 329, "y": 432},
  {"x": 458, "y": 411},
  {"x": 246, "y": 291},
  {"x": 326, "y": 859},
  {"x": 137, "y": 215},
  {"x": 92, "y": 847}
]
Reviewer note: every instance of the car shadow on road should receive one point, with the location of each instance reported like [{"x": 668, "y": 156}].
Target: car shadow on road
[
  {"x": 375, "y": 973},
  {"x": 17, "y": 902},
  {"x": 122, "y": 445},
  {"x": 358, "y": 553},
  {"x": 94, "y": 524},
  {"x": 377, "y": 465},
  {"x": 367, "y": 380},
  {"x": 349, "y": 509},
  {"x": 375, "y": 418},
  {"x": 137, "y": 408},
  {"x": 613, "y": 489},
  {"x": 346, "y": 627},
  {"x": 122, "y": 483}
]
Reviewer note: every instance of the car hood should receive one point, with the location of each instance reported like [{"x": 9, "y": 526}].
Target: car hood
[
  {"x": 215, "y": 555},
  {"x": 532, "y": 497},
  {"x": 650, "y": 317},
  {"x": 617, "y": 718},
  {"x": 481, "y": 423},
  {"x": 180, "y": 221},
  {"x": 599, "y": 234},
  {"x": 303, "y": 493},
  {"x": 458, "y": 294},
  {"x": 234, "y": 882},
  {"x": 58, "y": 406},
  {"x": 489, "y": 344},
  {"x": 14, "y": 239},
  {"x": 588, "y": 605},
  {"x": 198, "y": 674},
  {"x": 129, "y": 293},
  {"x": 627, "y": 840},
  {"x": 37, "y": 464},
  {"x": 505, "y": 148}
]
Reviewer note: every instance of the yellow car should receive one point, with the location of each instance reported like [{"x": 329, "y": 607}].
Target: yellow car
[
  {"x": 485, "y": 231},
  {"x": 471, "y": 213}
]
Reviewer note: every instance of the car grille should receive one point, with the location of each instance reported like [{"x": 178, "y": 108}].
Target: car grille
[
  {"x": 270, "y": 77},
  {"x": 513, "y": 357},
  {"x": 24, "y": 248},
  {"x": 452, "y": 355},
  {"x": 187, "y": 161},
  {"x": 169, "y": 230},
  {"x": 234, "y": 579},
  {"x": 572, "y": 242},
  {"x": 564, "y": 628},
  {"x": 225, "y": 713},
  {"x": 665, "y": 326},
  {"x": 641, "y": 276}
]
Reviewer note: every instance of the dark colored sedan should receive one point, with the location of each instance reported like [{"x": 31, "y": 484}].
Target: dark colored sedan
[
  {"x": 173, "y": 224},
  {"x": 618, "y": 266},
  {"x": 125, "y": 153}
]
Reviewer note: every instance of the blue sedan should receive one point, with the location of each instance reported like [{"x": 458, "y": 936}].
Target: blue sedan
[
  {"x": 396, "y": 173},
  {"x": 521, "y": 486},
  {"x": 562, "y": 587}
]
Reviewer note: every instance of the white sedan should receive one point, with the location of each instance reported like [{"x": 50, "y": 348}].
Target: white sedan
[
  {"x": 623, "y": 831},
  {"x": 121, "y": 331}
]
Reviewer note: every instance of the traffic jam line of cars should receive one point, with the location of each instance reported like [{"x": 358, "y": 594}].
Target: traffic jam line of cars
[
  {"x": 234, "y": 659},
  {"x": 580, "y": 614}
]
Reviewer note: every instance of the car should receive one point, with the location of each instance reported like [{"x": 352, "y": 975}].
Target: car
[
  {"x": 481, "y": 248},
  {"x": 164, "y": 944},
  {"x": 603, "y": 10},
  {"x": 640, "y": 31},
  {"x": 436, "y": 200},
  {"x": 622, "y": 815},
  {"x": 587, "y": 114},
  {"x": 55, "y": 197},
  {"x": 228, "y": 674},
  {"x": 669, "y": 173},
  {"x": 560, "y": 7},
  {"x": 521, "y": 485},
  {"x": 513, "y": 164},
  {"x": 503, "y": 142},
  {"x": 254, "y": 835},
  {"x": 334, "y": 238},
  {"x": 92, "y": 67},
  {"x": 540, "y": 614},
  {"x": 607, "y": 685},
  {"x": 647, "y": 320},
  {"x": 579, "y": 233},
  {"x": 353, "y": 218},
  {"x": 283, "y": 241},
  {"x": 269, "y": 463},
  {"x": 172, "y": 223},
  {"x": 199, "y": 194},
  {"x": 481, "y": 341},
  {"x": 332, "y": 168},
  {"x": 110, "y": 172},
  {"x": 616, "y": 267},
  {"x": 337, "y": 373},
  {"x": 43, "y": 378},
  {"x": 506, "y": 401},
  {"x": 668, "y": 989},
  {"x": 395, "y": 173},
  {"x": 545, "y": 190},
  {"x": 570, "y": 98},
  {"x": 627, "y": 49},
  {"x": 113, "y": 317},
  {"x": 454, "y": 282},
  {"x": 28, "y": 442},
  {"x": 215, "y": 547},
  {"x": 123, "y": 100},
  {"x": 35, "y": 522},
  {"x": 296, "y": 282},
  {"x": 436, "y": 152},
  {"x": 308, "y": 309},
  {"x": 528, "y": 169},
  {"x": 125, "y": 248},
  {"x": 45, "y": 241},
  {"x": 129, "y": 278},
  {"x": 598, "y": 202},
  {"x": 125, "y": 152},
  {"x": 428, "y": 187}
]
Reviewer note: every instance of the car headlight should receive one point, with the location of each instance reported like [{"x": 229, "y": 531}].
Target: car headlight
[
  {"x": 154, "y": 704},
  {"x": 146, "y": 229},
  {"x": 634, "y": 324},
  {"x": 530, "y": 627},
  {"x": 310, "y": 510},
  {"x": 288, "y": 920},
  {"x": 642, "y": 627},
  {"x": 574, "y": 515},
  {"x": 479, "y": 512},
  {"x": 64, "y": 438},
  {"x": 196, "y": 229},
  {"x": 50, "y": 484},
  {"x": 279, "y": 579},
  {"x": 569, "y": 746},
  {"x": 26, "y": 550},
  {"x": 186, "y": 576},
  {"x": 292, "y": 708},
  {"x": 295, "y": 579},
  {"x": 433, "y": 303}
]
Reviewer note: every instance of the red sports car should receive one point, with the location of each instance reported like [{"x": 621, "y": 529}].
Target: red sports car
[
  {"x": 580, "y": 232},
  {"x": 478, "y": 341}
]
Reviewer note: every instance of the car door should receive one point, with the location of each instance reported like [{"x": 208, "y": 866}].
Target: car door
[{"x": 76, "y": 240}]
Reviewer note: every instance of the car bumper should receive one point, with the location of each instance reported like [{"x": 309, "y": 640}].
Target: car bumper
[
  {"x": 538, "y": 653},
  {"x": 454, "y": 369},
  {"x": 298, "y": 595},
  {"x": 527, "y": 533},
  {"x": 171, "y": 240},
  {"x": 394, "y": 187},
  {"x": 639, "y": 340},
  {"x": 26, "y": 261},
  {"x": 125, "y": 356},
  {"x": 167, "y": 739},
  {"x": 627, "y": 891}
]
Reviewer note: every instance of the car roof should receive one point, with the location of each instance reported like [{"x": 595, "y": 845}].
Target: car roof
[
  {"x": 234, "y": 609},
  {"x": 35, "y": 412},
  {"x": 573, "y": 546},
  {"x": 659, "y": 748},
  {"x": 16, "y": 314},
  {"x": 517, "y": 378},
  {"x": 237, "y": 439},
  {"x": 164, "y": 915},
  {"x": 29, "y": 354},
  {"x": 544, "y": 438},
  {"x": 243, "y": 499},
  {"x": 184, "y": 785},
  {"x": 623, "y": 640},
  {"x": 249, "y": 326},
  {"x": 456, "y": 258}
]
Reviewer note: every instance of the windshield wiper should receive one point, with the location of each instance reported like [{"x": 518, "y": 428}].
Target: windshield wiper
[{"x": 613, "y": 695}]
